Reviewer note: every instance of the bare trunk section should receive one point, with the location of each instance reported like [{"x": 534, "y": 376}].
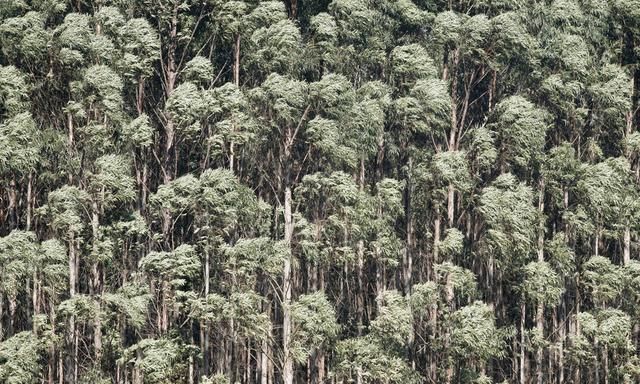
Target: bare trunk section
[
  {"x": 95, "y": 283},
  {"x": 540, "y": 308},
  {"x": 236, "y": 81},
  {"x": 70, "y": 356},
  {"x": 70, "y": 140},
  {"x": 287, "y": 371},
  {"x": 29, "y": 200},
  {"x": 360, "y": 294},
  {"x": 171, "y": 74},
  {"x": 523, "y": 353},
  {"x": 410, "y": 246},
  {"x": 626, "y": 254}
]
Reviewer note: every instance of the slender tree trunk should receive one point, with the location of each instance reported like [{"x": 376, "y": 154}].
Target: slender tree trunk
[
  {"x": 29, "y": 199},
  {"x": 451, "y": 195},
  {"x": 70, "y": 356},
  {"x": 447, "y": 335},
  {"x": 577, "y": 375},
  {"x": 360, "y": 295},
  {"x": 95, "y": 284},
  {"x": 626, "y": 254},
  {"x": 70, "y": 140},
  {"x": 410, "y": 241},
  {"x": 236, "y": 81},
  {"x": 287, "y": 371},
  {"x": 436, "y": 240},
  {"x": 540, "y": 309},
  {"x": 293, "y": 6},
  {"x": 171, "y": 74},
  {"x": 561, "y": 347},
  {"x": 605, "y": 364},
  {"x": 523, "y": 355}
]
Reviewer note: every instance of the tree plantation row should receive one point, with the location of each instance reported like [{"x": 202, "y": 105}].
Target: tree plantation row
[{"x": 317, "y": 191}]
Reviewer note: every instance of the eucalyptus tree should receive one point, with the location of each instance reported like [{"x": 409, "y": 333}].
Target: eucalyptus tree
[
  {"x": 315, "y": 330},
  {"x": 285, "y": 102},
  {"x": 379, "y": 357},
  {"x": 510, "y": 234},
  {"x": 476, "y": 338}
]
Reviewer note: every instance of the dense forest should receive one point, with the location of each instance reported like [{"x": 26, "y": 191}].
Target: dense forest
[{"x": 317, "y": 191}]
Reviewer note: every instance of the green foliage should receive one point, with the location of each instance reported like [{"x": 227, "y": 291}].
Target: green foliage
[
  {"x": 186, "y": 105},
  {"x": 20, "y": 357},
  {"x": 82, "y": 307},
  {"x": 363, "y": 358},
  {"x": 132, "y": 301},
  {"x": 141, "y": 47},
  {"x": 147, "y": 147},
  {"x": 541, "y": 283},
  {"x": 18, "y": 251},
  {"x": 161, "y": 360},
  {"x": 52, "y": 262},
  {"x": 275, "y": 48},
  {"x": 453, "y": 243},
  {"x": 24, "y": 37},
  {"x": 451, "y": 168},
  {"x": 249, "y": 257},
  {"x": 111, "y": 182},
  {"x": 412, "y": 62},
  {"x": 393, "y": 325},
  {"x": 520, "y": 129},
  {"x": 65, "y": 208},
  {"x": 462, "y": 280},
  {"x": 244, "y": 309},
  {"x": 423, "y": 296},
  {"x": 483, "y": 149},
  {"x": 315, "y": 324},
  {"x": 199, "y": 70},
  {"x": 607, "y": 188},
  {"x": 177, "y": 267},
  {"x": 511, "y": 218},
  {"x": 14, "y": 91},
  {"x": 19, "y": 144},
  {"x": 602, "y": 279},
  {"x": 610, "y": 327},
  {"x": 474, "y": 333},
  {"x": 138, "y": 132},
  {"x": 427, "y": 107},
  {"x": 562, "y": 258}
]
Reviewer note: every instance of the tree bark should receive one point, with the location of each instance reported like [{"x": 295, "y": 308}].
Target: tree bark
[
  {"x": 523, "y": 357},
  {"x": 287, "y": 371},
  {"x": 236, "y": 81},
  {"x": 171, "y": 74},
  {"x": 626, "y": 254}
]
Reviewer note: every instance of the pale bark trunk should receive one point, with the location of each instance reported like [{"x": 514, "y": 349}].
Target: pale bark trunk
[
  {"x": 523, "y": 357},
  {"x": 70, "y": 138},
  {"x": 540, "y": 309},
  {"x": 95, "y": 284},
  {"x": 450, "y": 205},
  {"x": 29, "y": 198},
  {"x": 447, "y": 335},
  {"x": 408, "y": 253},
  {"x": 287, "y": 371},
  {"x": 360, "y": 302},
  {"x": 70, "y": 357},
  {"x": 436, "y": 239},
  {"x": 171, "y": 73},
  {"x": 236, "y": 81},
  {"x": 626, "y": 257}
]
